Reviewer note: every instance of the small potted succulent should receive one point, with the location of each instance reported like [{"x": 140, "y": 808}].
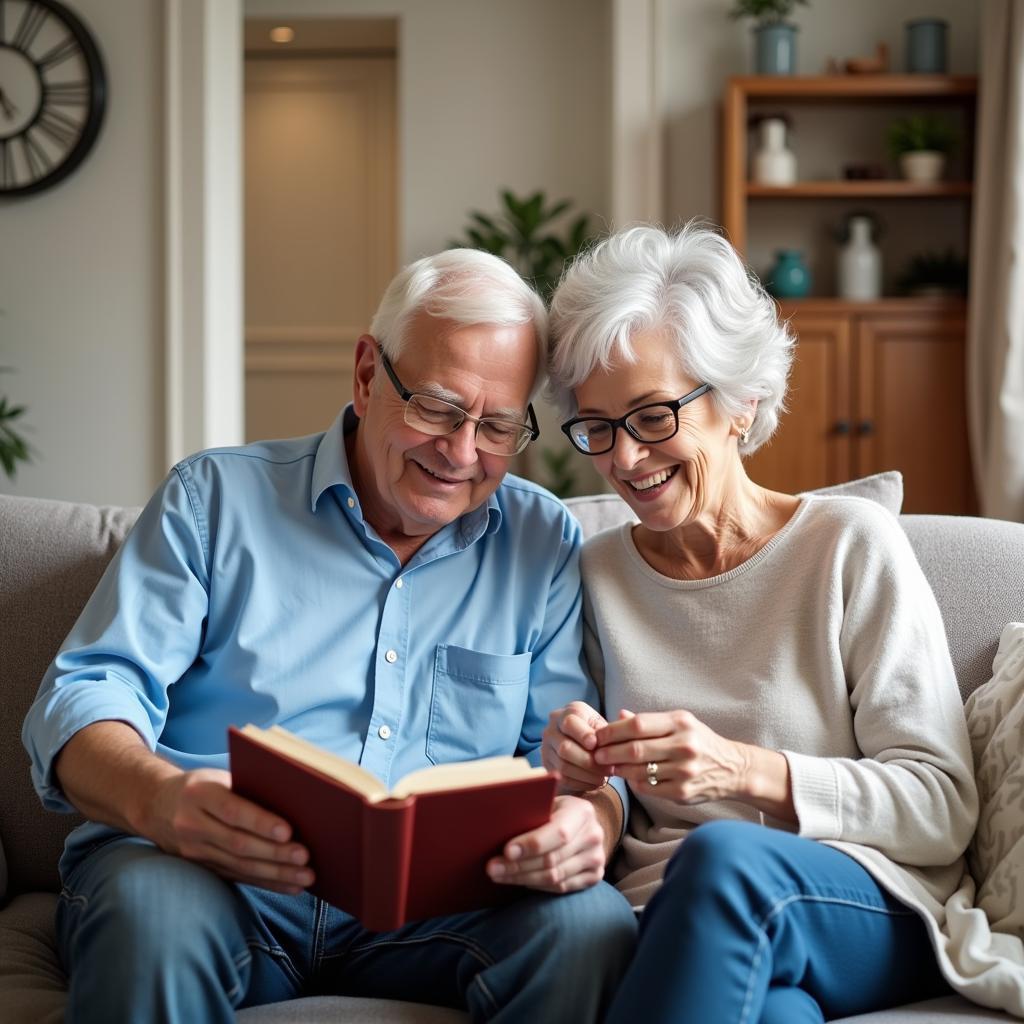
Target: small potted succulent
[
  {"x": 920, "y": 145},
  {"x": 774, "y": 36}
]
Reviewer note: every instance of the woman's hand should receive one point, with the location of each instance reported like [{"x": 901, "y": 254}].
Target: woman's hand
[
  {"x": 694, "y": 763},
  {"x": 568, "y": 744}
]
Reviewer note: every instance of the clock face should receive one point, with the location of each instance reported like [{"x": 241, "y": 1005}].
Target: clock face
[{"x": 52, "y": 94}]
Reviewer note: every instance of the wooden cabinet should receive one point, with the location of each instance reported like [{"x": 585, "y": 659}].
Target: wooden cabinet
[{"x": 875, "y": 386}]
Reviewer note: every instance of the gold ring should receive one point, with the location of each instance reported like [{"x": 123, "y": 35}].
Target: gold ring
[{"x": 652, "y": 773}]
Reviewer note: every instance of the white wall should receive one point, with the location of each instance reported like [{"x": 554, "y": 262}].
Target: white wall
[
  {"x": 81, "y": 269},
  {"x": 492, "y": 93}
]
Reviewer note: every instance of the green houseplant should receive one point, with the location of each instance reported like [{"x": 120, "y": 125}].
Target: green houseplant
[
  {"x": 920, "y": 143},
  {"x": 774, "y": 36},
  {"x": 13, "y": 446},
  {"x": 526, "y": 233}
]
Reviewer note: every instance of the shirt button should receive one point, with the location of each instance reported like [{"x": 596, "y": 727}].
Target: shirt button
[
  {"x": 351, "y": 502},
  {"x": 383, "y": 732},
  {"x": 399, "y": 583},
  {"x": 391, "y": 657}
]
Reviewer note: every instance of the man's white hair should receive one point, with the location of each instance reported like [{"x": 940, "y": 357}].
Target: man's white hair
[
  {"x": 468, "y": 287},
  {"x": 692, "y": 284}
]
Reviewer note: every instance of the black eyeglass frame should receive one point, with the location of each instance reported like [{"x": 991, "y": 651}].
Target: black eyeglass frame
[
  {"x": 623, "y": 421},
  {"x": 405, "y": 394}
]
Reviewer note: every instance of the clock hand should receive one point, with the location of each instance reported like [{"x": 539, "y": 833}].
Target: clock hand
[{"x": 9, "y": 108}]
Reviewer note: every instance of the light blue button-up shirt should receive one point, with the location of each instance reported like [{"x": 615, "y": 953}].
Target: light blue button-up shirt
[{"x": 252, "y": 589}]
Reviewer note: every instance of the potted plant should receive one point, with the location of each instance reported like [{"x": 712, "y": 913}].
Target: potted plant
[
  {"x": 774, "y": 36},
  {"x": 920, "y": 144}
]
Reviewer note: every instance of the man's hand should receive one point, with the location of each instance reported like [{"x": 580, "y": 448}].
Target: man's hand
[
  {"x": 196, "y": 816},
  {"x": 567, "y": 745},
  {"x": 563, "y": 855}
]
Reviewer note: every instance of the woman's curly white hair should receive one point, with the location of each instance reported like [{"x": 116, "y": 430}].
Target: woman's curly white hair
[{"x": 692, "y": 284}]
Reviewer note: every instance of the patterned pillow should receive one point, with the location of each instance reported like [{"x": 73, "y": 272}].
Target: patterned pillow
[{"x": 995, "y": 718}]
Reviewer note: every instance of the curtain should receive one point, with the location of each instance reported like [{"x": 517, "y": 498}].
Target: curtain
[{"x": 995, "y": 345}]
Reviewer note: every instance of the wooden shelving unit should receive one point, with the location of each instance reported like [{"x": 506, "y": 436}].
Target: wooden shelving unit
[
  {"x": 826, "y": 89},
  {"x": 868, "y": 376},
  {"x": 886, "y": 188}
]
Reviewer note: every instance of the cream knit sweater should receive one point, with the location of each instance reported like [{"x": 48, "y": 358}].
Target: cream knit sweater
[{"x": 826, "y": 645}]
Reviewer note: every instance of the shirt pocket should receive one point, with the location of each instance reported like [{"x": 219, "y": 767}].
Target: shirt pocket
[{"x": 477, "y": 704}]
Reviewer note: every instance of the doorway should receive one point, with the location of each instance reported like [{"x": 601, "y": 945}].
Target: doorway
[{"x": 320, "y": 211}]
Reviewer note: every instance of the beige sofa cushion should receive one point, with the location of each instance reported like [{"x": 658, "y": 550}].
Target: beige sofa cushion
[
  {"x": 52, "y": 554},
  {"x": 32, "y": 985}
]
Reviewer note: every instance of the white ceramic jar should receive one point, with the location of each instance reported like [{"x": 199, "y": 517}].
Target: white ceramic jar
[
  {"x": 860, "y": 264},
  {"x": 773, "y": 163}
]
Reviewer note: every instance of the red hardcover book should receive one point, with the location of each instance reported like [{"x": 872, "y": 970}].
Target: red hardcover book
[{"x": 389, "y": 857}]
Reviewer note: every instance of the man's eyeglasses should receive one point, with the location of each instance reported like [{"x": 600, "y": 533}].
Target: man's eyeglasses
[
  {"x": 649, "y": 424},
  {"x": 437, "y": 418}
]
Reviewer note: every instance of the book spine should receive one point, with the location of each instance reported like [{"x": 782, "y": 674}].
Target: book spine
[{"x": 387, "y": 848}]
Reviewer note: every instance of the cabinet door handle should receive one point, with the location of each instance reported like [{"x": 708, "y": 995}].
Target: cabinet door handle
[
  {"x": 865, "y": 428},
  {"x": 841, "y": 428}
]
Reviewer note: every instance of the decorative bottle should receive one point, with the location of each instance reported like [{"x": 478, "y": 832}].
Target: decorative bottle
[
  {"x": 773, "y": 163},
  {"x": 860, "y": 263}
]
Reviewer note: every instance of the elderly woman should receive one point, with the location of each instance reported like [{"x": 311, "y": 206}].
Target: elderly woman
[{"x": 776, "y": 677}]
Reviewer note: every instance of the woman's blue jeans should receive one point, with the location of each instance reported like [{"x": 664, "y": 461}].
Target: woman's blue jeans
[
  {"x": 757, "y": 926},
  {"x": 146, "y": 936}
]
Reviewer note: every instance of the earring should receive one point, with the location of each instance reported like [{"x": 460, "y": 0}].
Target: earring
[{"x": 744, "y": 435}]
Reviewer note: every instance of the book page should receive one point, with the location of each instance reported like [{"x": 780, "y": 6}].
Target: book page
[
  {"x": 340, "y": 768},
  {"x": 464, "y": 775}
]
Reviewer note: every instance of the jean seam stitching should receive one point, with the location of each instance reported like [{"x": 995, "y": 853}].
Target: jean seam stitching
[
  {"x": 276, "y": 953},
  {"x": 460, "y": 940},
  {"x": 776, "y": 908},
  {"x": 762, "y": 941}
]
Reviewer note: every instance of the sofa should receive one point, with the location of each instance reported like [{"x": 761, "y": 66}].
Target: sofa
[{"x": 51, "y": 555}]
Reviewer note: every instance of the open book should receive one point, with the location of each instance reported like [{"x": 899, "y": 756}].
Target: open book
[{"x": 390, "y": 856}]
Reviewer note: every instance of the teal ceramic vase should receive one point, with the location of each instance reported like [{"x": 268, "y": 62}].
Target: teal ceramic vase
[
  {"x": 775, "y": 48},
  {"x": 789, "y": 277}
]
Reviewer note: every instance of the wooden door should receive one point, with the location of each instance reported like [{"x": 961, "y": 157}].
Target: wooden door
[
  {"x": 320, "y": 231},
  {"x": 812, "y": 446},
  {"x": 911, "y": 411}
]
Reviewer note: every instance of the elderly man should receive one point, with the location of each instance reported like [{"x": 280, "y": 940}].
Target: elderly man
[{"x": 383, "y": 590}]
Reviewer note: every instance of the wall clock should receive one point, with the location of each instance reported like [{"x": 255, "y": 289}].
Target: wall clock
[{"x": 53, "y": 91}]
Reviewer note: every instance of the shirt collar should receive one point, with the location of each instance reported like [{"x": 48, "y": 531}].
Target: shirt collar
[{"x": 331, "y": 469}]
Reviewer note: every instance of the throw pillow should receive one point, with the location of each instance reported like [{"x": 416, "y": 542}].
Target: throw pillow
[
  {"x": 885, "y": 488},
  {"x": 597, "y": 512},
  {"x": 995, "y": 719}
]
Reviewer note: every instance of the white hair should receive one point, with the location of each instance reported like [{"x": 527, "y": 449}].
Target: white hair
[
  {"x": 692, "y": 284},
  {"x": 468, "y": 287}
]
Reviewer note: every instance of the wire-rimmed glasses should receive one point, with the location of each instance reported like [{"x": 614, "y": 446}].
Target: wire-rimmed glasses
[{"x": 436, "y": 417}]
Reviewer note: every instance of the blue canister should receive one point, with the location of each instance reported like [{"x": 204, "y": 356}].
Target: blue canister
[
  {"x": 775, "y": 48},
  {"x": 926, "y": 46},
  {"x": 790, "y": 277}
]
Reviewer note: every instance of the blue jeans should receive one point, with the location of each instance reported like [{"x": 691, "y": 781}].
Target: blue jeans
[
  {"x": 146, "y": 936},
  {"x": 757, "y": 926}
]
